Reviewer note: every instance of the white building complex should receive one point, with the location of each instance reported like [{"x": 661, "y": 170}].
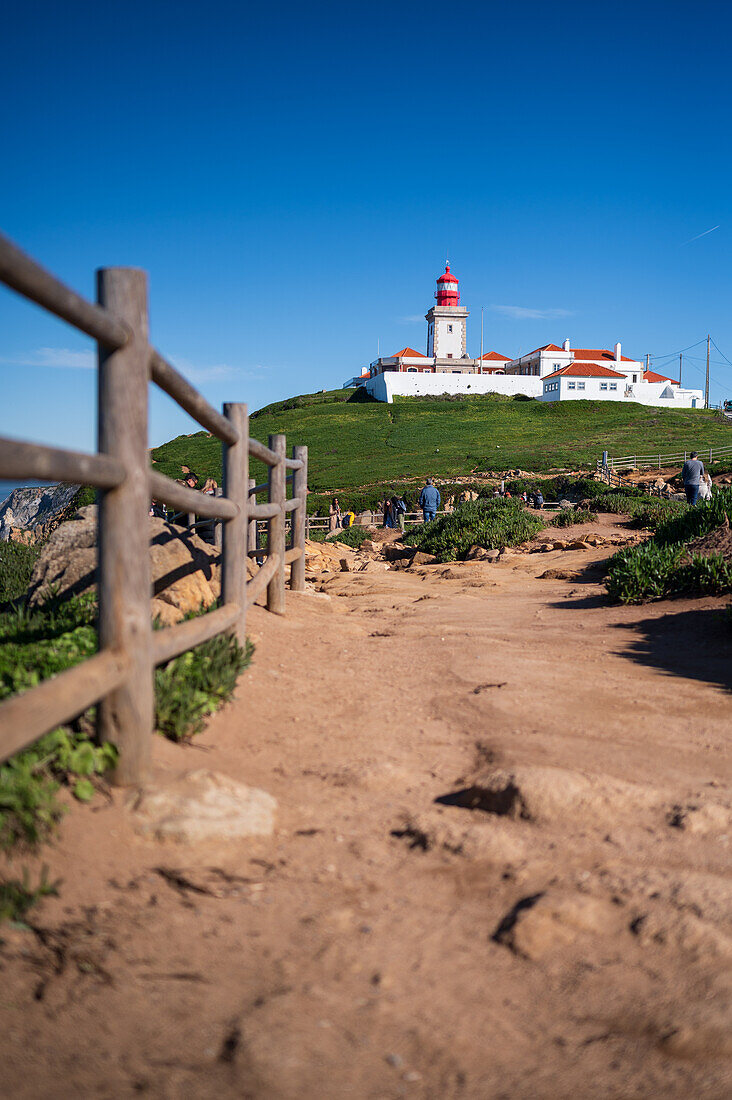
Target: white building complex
[{"x": 549, "y": 373}]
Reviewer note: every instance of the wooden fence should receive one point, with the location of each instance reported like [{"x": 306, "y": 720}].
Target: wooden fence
[{"x": 120, "y": 677}]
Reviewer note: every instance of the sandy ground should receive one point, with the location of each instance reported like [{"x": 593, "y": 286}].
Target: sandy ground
[{"x": 501, "y": 867}]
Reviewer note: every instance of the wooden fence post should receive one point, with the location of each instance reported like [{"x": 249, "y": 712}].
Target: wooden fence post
[
  {"x": 276, "y": 525},
  {"x": 126, "y": 716},
  {"x": 299, "y": 490},
  {"x": 236, "y": 484}
]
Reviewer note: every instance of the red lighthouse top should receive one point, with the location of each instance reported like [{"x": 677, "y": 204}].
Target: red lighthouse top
[{"x": 447, "y": 288}]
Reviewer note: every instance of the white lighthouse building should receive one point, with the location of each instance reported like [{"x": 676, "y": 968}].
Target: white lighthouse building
[
  {"x": 549, "y": 373},
  {"x": 447, "y": 336}
]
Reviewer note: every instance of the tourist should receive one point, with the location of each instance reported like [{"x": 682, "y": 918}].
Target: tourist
[
  {"x": 538, "y": 499},
  {"x": 348, "y": 519},
  {"x": 390, "y": 519},
  {"x": 210, "y": 486},
  {"x": 334, "y": 513},
  {"x": 429, "y": 501},
  {"x": 400, "y": 510},
  {"x": 191, "y": 480},
  {"x": 157, "y": 510},
  {"x": 691, "y": 475},
  {"x": 524, "y": 497}
]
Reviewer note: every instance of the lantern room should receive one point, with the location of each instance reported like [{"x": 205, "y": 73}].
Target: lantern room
[{"x": 447, "y": 288}]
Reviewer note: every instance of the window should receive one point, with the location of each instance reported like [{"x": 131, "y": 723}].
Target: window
[
  {"x": 556, "y": 366},
  {"x": 635, "y": 377},
  {"x": 449, "y": 328},
  {"x": 613, "y": 385},
  {"x": 570, "y": 385},
  {"x": 449, "y": 355},
  {"x": 580, "y": 385},
  {"x": 603, "y": 385},
  {"x": 457, "y": 372},
  {"x": 411, "y": 370}
]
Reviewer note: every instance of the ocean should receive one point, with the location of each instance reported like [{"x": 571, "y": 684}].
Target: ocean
[{"x": 6, "y": 487}]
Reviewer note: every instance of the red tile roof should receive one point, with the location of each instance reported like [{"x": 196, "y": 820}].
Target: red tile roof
[
  {"x": 495, "y": 355},
  {"x": 651, "y": 376},
  {"x": 545, "y": 347},
  {"x": 408, "y": 353},
  {"x": 584, "y": 370},
  {"x": 598, "y": 353}
]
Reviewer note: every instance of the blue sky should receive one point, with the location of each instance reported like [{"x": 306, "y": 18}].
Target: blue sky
[{"x": 292, "y": 178}]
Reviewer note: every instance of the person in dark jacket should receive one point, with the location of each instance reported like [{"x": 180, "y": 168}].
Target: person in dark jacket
[
  {"x": 691, "y": 475},
  {"x": 429, "y": 501}
]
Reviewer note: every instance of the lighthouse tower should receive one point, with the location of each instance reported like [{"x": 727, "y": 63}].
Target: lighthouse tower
[{"x": 447, "y": 321}]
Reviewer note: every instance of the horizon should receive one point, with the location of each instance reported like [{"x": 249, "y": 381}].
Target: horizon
[{"x": 293, "y": 207}]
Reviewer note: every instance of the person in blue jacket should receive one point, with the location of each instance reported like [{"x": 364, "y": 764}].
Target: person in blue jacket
[{"x": 429, "y": 500}]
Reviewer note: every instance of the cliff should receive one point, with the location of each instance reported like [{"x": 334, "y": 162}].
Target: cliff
[{"x": 29, "y": 515}]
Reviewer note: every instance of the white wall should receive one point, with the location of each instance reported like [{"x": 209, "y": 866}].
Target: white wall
[
  {"x": 644, "y": 393},
  {"x": 385, "y": 386}
]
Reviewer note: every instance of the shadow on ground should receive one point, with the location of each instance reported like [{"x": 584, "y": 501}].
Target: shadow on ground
[{"x": 695, "y": 644}]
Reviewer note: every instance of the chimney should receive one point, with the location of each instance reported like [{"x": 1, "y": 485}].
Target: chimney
[
  {"x": 566, "y": 344},
  {"x": 617, "y": 353}
]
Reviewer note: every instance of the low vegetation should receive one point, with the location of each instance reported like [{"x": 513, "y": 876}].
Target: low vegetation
[
  {"x": 570, "y": 517},
  {"x": 35, "y": 645},
  {"x": 16, "y": 566},
  {"x": 493, "y": 524},
  {"x": 675, "y": 561}
]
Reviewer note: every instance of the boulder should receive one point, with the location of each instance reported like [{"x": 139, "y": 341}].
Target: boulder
[
  {"x": 203, "y": 805},
  {"x": 420, "y": 558},
  {"x": 184, "y": 568},
  {"x": 345, "y": 565}
]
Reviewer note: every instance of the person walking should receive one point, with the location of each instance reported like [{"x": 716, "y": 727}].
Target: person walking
[
  {"x": 399, "y": 510},
  {"x": 429, "y": 501},
  {"x": 691, "y": 475},
  {"x": 334, "y": 516}
]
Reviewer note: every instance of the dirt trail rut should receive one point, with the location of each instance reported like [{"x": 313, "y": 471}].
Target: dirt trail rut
[{"x": 501, "y": 867}]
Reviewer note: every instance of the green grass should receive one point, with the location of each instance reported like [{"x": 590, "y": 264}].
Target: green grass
[
  {"x": 573, "y": 516},
  {"x": 355, "y": 443}
]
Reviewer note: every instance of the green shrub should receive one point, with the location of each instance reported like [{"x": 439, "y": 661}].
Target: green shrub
[
  {"x": 570, "y": 517},
  {"x": 16, "y": 566},
  {"x": 663, "y": 566},
  {"x": 655, "y": 511},
  {"x": 352, "y": 536},
  {"x": 35, "y": 645},
  {"x": 197, "y": 683},
  {"x": 493, "y": 524}
]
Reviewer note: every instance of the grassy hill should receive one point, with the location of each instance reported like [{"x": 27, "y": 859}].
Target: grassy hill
[{"x": 355, "y": 442}]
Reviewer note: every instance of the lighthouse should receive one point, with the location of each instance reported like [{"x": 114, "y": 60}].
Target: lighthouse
[{"x": 447, "y": 321}]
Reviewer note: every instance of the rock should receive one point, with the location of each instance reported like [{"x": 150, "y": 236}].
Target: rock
[
  {"x": 373, "y": 566},
  {"x": 565, "y": 505},
  {"x": 420, "y": 558},
  {"x": 370, "y": 546},
  {"x": 475, "y": 553},
  {"x": 28, "y": 515},
  {"x": 577, "y": 544},
  {"x": 203, "y": 805},
  {"x": 492, "y": 555},
  {"x": 543, "y": 922},
  {"x": 185, "y": 570},
  {"x": 345, "y": 565}
]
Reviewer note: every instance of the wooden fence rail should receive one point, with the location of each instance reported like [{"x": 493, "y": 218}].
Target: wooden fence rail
[{"x": 120, "y": 677}]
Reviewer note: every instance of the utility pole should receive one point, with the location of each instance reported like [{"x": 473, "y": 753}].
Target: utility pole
[
  {"x": 681, "y": 359},
  {"x": 481, "y": 339},
  {"x": 706, "y": 388},
  {"x": 648, "y": 359}
]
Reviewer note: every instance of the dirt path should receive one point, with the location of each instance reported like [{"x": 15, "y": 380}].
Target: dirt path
[{"x": 567, "y": 934}]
